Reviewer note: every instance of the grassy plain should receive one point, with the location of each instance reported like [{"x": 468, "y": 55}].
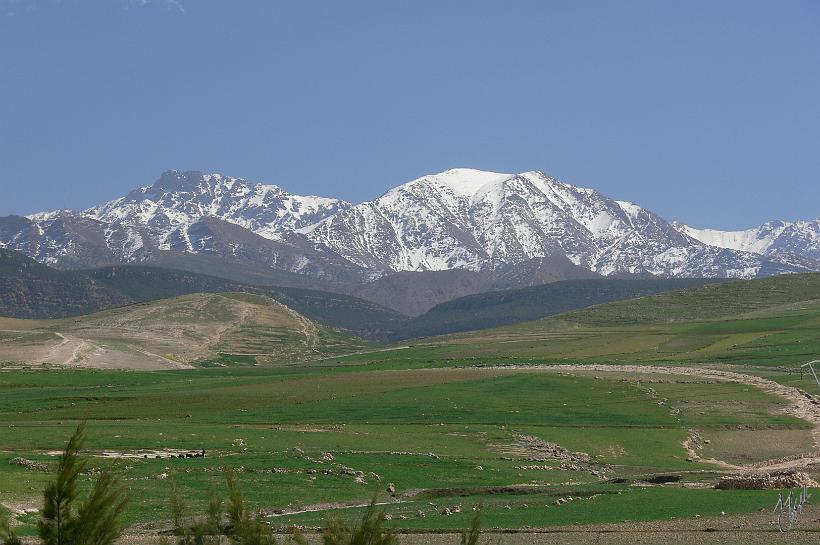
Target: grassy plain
[{"x": 446, "y": 436}]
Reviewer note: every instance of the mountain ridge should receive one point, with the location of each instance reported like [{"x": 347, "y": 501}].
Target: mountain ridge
[
  {"x": 459, "y": 219},
  {"x": 800, "y": 238}
]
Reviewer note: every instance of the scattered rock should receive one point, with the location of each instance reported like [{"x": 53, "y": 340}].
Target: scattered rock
[
  {"x": 766, "y": 481},
  {"x": 29, "y": 464}
]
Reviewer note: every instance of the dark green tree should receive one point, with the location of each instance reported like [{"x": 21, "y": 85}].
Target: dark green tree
[
  {"x": 472, "y": 535},
  {"x": 65, "y": 521}
]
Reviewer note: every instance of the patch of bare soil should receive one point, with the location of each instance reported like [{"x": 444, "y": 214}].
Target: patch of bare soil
[
  {"x": 140, "y": 454},
  {"x": 21, "y": 507}
]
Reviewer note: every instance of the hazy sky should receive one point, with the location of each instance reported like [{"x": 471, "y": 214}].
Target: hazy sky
[{"x": 707, "y": 112}]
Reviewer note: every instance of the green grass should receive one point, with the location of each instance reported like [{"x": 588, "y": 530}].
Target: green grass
[
  {"x": 448, "y": 431},
  {"x": 782, "y": 335},
  {"x": 599, "y": 504}
]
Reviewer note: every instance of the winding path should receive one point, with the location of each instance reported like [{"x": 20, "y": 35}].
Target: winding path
[{"x": 801, "y": 404}]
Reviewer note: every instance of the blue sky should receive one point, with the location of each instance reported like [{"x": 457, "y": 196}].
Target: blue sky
[{"x": 707, "y": 112}]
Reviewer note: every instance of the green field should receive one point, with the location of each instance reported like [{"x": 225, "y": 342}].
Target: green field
[
  {"x": 447, "y": 436},
  {"x": 450, "y": 421}
]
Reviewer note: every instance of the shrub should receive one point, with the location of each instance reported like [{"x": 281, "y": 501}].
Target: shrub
[
  {"x": 204, "y": 532},
  {"x": 246, "y": 528},
  {"x": 243, "y": 527},
  {"x": 370, "y": 531}
]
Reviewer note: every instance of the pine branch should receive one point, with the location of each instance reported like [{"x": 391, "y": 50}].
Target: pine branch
[{"x": 60, "y": 494}]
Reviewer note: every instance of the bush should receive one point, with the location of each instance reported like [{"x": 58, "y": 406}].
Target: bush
[
  {"x": 233, "y": 519},
  {"x": 369, "y": 532},
  {"x": 245, "y": 528}
]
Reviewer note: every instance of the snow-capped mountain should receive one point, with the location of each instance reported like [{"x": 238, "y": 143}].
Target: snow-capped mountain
[
  {"x": 459, "y": 219},
  {"x": 477, "y": 220},
  {"x": 775, "y": 238},
  {"x": 185, "y": 213}
]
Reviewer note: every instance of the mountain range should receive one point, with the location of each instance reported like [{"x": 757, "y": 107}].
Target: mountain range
[{"x": 437, "y": 237}]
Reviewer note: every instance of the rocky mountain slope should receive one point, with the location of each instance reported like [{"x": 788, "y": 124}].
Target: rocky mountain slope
[
  {"x": 518, "y": 227},
  {"x": 179, "y": 200}
]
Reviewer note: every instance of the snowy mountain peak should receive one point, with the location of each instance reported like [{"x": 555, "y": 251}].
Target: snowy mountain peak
[
  {"x": 196, "y": 182},
  {"x": 461, "y": 182},
  {"x": 467, "y": 181},
  {"x": 179, "y": 199}
]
